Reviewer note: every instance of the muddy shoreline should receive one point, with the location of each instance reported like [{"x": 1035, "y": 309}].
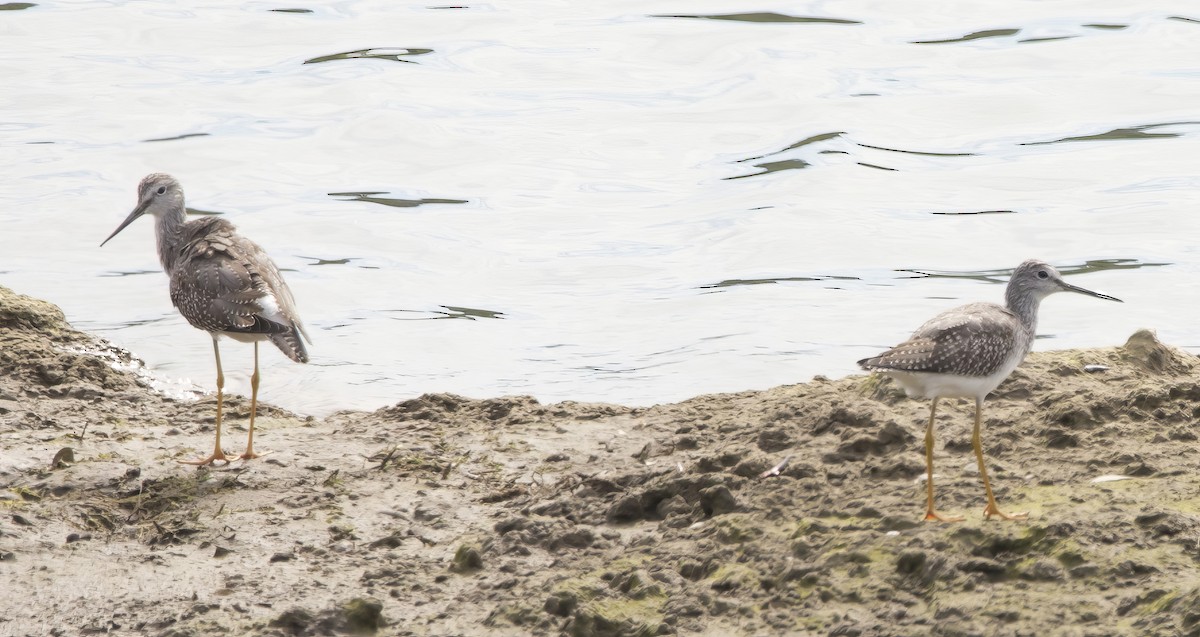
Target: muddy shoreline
[{"x": 442, "y": 515}]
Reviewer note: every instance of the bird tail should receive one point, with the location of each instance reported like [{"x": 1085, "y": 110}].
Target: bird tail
[{"x": 291, "y": 343}]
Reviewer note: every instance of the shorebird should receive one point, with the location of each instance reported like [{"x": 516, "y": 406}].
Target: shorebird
[
  {"x": 967, "y": 352},
  {"x": 222, "y": 283}
]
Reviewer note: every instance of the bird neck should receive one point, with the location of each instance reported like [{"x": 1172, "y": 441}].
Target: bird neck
[
  {"x": 167, "y": 227},
  {"x": 1025, "y": 306}
]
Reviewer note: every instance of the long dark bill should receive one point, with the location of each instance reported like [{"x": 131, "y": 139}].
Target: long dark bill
[
  {"x": 1075, "y": 288},
  {"x": 137, "y": 212}
]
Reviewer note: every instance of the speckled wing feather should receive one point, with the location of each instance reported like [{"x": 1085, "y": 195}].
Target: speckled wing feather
[
  {"x": 972, "y": 340},
  {"x": 223, "y": 282}
]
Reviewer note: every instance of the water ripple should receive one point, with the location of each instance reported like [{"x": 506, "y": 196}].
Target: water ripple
[
  {"x": 450, "y": 312},
  {"x": 1144, "y": 131},
  {"x": 370, "y": 197},
  {"x": 977, "y": 35},
  {"x": 392, "y": 54},
  {"x": 1002, "y": 275},
  {"x": 728, "y": 283},
  {"x": 765, "y": 16}
]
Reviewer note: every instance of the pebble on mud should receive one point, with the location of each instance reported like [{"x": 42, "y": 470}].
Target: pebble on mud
[
  {"x": 717, "y": 500},
  {"x": 467, "y": 558},
  {"x": 363, "y": 615}
]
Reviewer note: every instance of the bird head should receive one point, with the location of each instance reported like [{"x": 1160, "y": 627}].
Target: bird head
[
  {"x": 157, "y": 194},
  {"x": 1039, "y": 279}
]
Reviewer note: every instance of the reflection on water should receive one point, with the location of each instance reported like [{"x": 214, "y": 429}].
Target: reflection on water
[
  {"x": 782, "y": 279},
  {"x": 976, "y": 212},
  {"x": 978, "y": 35},
  {"x": 395, "y": 55},
  {"x": 370, "y": 197},
  {"x": 1134, "y": 132},
  {"x": 449, "y": 312},
  {"x": 761, "y": 17},
  {"x": 649, "y": 207},
  {"x": 1002, "y": 275},
  {"x": 176, "y": 137}
]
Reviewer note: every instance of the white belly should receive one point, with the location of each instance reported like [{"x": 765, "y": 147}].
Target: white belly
[{"x": 929, "y": 385}]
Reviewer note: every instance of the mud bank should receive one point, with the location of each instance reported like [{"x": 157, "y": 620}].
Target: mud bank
[{"x": 443, "y": 515}]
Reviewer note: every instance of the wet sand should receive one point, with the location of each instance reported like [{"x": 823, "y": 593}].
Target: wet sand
[{"x": 443, "y": 515}]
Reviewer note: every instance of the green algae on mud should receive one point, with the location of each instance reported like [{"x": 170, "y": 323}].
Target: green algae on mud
[{"x": 446, "y": 515}]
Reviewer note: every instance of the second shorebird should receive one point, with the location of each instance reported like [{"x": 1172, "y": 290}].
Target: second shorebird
[
  {"x": 222, "y": 283},
  {"x": 967, "y": 352}
]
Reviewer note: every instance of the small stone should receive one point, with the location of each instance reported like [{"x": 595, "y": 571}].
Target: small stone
[
  {"x": 717, "y": 500},
  {"x": 294, "y": 622},
  {"x": 910, "y": 562},
  {"x": 627, "y": 509},
  {"x": 561, "y": 603},
  {"x": 363, "y": 615},
  {"x": 282, "y": 557},
  {"x": 466, "y": 558}
]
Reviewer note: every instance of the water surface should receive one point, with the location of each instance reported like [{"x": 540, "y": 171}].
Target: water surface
[{"x": 621, "y": 201}]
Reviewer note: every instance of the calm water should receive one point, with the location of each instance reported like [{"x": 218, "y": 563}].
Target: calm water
[{"x": 620, "y": 201}]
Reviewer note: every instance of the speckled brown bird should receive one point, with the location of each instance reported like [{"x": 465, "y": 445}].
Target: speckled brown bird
[
  {"x": 222, "y": 283},
  {"x": 967, "y": 352}
]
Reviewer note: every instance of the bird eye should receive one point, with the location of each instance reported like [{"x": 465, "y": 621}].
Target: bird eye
[
  {"x": 1042, "y": 274},
  {"x": 162, "y": 190}
]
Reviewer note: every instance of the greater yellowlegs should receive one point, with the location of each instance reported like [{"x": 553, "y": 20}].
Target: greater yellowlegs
[
  {"x": 967, "y": 352},
  {"x": 222, "y": 283}
]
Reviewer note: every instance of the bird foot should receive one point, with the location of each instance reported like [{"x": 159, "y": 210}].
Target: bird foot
[
  {"x": 250, "y": 454},
  {"x": 934, "y": 515},
  {"x": 991, "y": 509},
  {"x": 211, "y": 460}
]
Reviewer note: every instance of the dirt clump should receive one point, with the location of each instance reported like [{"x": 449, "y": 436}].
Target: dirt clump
[{"x": 791, "y": 511}]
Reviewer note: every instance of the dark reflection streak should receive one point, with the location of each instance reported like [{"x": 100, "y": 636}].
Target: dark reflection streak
[
  {"x": 128, "y": 273},
  {"x": 978, "y": 35},
  {"x": 977, "y": 212},
  {"x": 320, "y": 261},
  {"x": 16, "y": 6},
  {"x": 761, "y": 17},
  {"x": 769, "y": 281},
  {"x": 171, "y": 139},
  {"x": 1046, "y": 39},
  {"x": 804, "y": 142},
  {"x": 197, "y": 211},
  {"x": 916, "y": 152},
  {"x": 125, "y": 324},
  {"x": 452, "y": 312},
  {"x": 1184, "y": 19},
  {"x": 863, "y": 163},
  {"x": 1107, "y": 26},
  {"x": 370, "y": 197},
  {"x": 393, "y": 55},
  {"x": 1135, "y": 132},
  {"x": 291, "y": 10},
  {"x": 774, "y": 167},
  {"x": 1002, "y": 275}
]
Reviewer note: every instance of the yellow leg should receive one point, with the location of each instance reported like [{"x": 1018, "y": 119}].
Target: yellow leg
[
  {"x": 217, "y": 453},
  {"x": 930, "y": 513},
  {"x": 991, "y": 508},
  {"x": 253, "y": 408}
]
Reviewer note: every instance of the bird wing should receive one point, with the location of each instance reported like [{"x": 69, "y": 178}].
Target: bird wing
[
  {"x": 223, "y": 282},
  {"x": 972, "y": 340}
]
